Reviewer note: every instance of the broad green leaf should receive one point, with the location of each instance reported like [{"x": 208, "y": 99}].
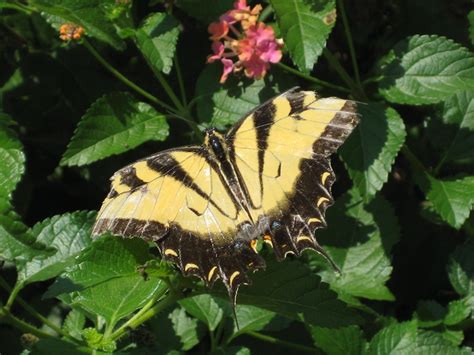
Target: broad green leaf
[
  {"x": 105, "y": 280},
  {"x": 185, "y": 328},
  {"x": 69, "y": 234},
  {"x": 429, "y": 313},
  {"x": 208, "y": 13},
  {"x": 340, "y": 341},
  {"x": 157, "y": 39},
  {"x": 305, "y": 26},
  {"x": 459, "y": 310},
  {"x": 426, "y": 69},
  {"x": 232, "y": 350},
  {"x": 251, "y": 318},
  {"x": 398, "y": 338},
  {"x": 292, "y": 290},
  {"x": 454, "y": 132},
  {"x": 74, "y": 323},
  {"x": 12, "y": 158},
  {"x": 371, "y": 149},
  {"x": 222, "y": 105},
  {"x": 461, "y": 269},
  {"x": 114, "y": 124},
  {"x": 47, "y": 346},
  {"x": 433, "y": 343},
  {"x": 360, "y": 239},
  {"x": 86, "y": 13},
  {"x": 471, "y": 25},
  {"x": 452, "y": 199},
  {"x": 17, "y": 244},
  {"x": 206, "y": 308}
]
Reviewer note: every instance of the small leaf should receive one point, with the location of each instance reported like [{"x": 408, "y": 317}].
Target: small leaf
[
  {"x": 305, "y": 26},
  {"x": 426, "y": 69},
  {"x": 114, "y": 124},
  {"x": 46, "y": 346},
  {"x": 206, "y": 308},
  {"x": 87, "y": 14},
  {"x": 341, "y": 341},
  {"x": 12, "y": 158},
  {"x": 429, "y": 313},
  {"x": 398, "y": 338},
  {"x": 454, "y": 132},
  {"x": 232, "y": 350},
  {"x": 69, "y": 234},
  {"x": 292, "y": 290},
  {"x": 208, "y": 13},
  {"x": 452, "y": 199},
  {"x": 434, "y": 343},
  {"x": 459, "y": 310},
  {"x": 185, "y": 328},
  {"x": 157, "y": 39},
  {"x": 461, "y": 269},
  {"x": 74, "y": 323},
  {"x": 359, "y": 239},
  {"x": 251, "y": 318},
  {"x": 222, "y": 105},
  {"x": 371, "y": 149},
  {"x": 105, "y": 280}
]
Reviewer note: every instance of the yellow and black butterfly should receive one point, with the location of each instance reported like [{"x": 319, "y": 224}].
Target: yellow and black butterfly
[{"x": 206, "y": 206}]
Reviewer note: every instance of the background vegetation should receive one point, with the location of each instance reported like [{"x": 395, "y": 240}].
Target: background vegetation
[{"x": 136, "y": 82}]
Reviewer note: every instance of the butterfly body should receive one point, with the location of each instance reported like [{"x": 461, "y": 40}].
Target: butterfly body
[{"x": 205, "y": 206}]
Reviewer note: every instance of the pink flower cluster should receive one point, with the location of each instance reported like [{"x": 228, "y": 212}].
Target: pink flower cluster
[{"x": 253, "y": 49}]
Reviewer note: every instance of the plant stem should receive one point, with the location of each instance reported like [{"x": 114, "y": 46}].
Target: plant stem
[
  {"x": 13, "y": 293},
  {"x": 123, "y": 79},
  {"x": 414, "y": 161},
  {"x": 333, "y": 62},
  {"x": 17, "y": 6},
  {"x": 350, "y": 43},
  {"x": 267, "y": 11},
  {"x": 180, "y": 80},
  {"x": 313, "y": 79},
  {"x": 287, "y": 344},
  {"x": 134, "y": 322},
  {"x": 25, "y": 327}
]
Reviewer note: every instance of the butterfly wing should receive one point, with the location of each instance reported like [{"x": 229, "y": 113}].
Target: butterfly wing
[
  {"x": 177, "y": 199},
  {"x": 282, "y": 153}
]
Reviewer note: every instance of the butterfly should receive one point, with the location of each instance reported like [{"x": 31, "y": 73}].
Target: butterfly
[{"x": 206, "y": 206}]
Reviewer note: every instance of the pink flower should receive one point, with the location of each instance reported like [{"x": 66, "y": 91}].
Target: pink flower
[{"x": 254, "y": 48}]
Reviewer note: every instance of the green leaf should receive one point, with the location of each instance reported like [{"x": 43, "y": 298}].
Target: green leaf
[
  {"x": 105, "y": 280},
  {"x": 341, "y": 341},
  {"x": 222, "y": 105},
  {"x": 232, "y": 350},
  {"x": 114, "y": 124},
  {"x": 461, "y": 269},
  {"x": 398, "y": 338},
  {"x": 459, "y": 310},
  {"x": 429, "y": 313},
  {"x": 454, "y": 132},
  {"x": 208, "y": 13},
  {"x": 359, "y": 239},
  {"x": 371, "y": 149},
  {"x": 69, "y": 234},
  {"x": 433, "y": 343},
  {"x": 157, "y": 39},
  {"x": 471, "y": 25},
  {"x": 206, "y": 308},
  {"x": 74, "y": 323},
  {"x": 47, "y": 346},
  {"x": 426, "y": 69},
  {"x": 12, "y": 158},
  {"x": 87, "y": 13},
  {"x": 17, "y": 244},
  {"x": 185, "y": 328},
  {"x": 452, "y": 199},
  {"x": 251, "y": 318},
  {"x": 305, "y": 26},
  {"x": 292, "y": 290}
]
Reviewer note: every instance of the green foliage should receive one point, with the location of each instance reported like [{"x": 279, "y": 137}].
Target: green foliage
[{"x": 137, "y": 82}]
